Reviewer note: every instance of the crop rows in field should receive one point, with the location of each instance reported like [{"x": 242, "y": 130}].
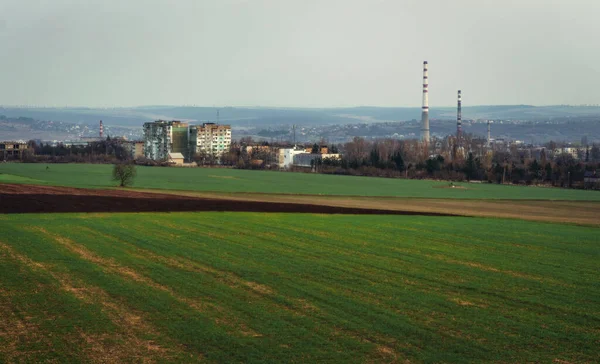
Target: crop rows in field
[{"x": 287, "y": 287}]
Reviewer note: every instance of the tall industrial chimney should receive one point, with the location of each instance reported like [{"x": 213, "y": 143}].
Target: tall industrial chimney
[
  {"x": 425, "y": 108},
  {"x": 459, "y": 119},
  {"x": 101, "y": 129},
  {"x": 489, "y": 138}
]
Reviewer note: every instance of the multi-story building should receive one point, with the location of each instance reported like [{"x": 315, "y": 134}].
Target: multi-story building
[
  {"x": 134, "y": 148},
  {"x": 162, "y": 137},
  {"x": 12, "y": 150},
  {"x": 210, "y": 138}
]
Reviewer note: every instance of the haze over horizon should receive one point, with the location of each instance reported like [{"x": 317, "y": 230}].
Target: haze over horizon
[{"x": 297, "y": 53}]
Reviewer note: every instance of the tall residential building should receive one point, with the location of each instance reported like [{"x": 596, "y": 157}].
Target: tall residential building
[
  {"x": 210, "y": 138},
  {"x": 162, "y": 137}
]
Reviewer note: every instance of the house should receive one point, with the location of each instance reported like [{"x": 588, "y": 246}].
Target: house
[
  {"x": 322, "y": 149},
  {"x": 176, "y": 159}
]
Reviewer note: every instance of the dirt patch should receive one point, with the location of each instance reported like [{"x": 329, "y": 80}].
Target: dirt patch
[
  {"x": 570, "y": 212},
  {"x": 453, "y": 187},
  {"x": 15, "y": 198}
]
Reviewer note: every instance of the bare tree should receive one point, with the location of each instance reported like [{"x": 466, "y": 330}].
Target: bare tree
[{"x": 124, "y": 173}]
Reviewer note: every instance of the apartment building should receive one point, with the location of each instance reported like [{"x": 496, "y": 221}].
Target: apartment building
[
  {"x": 12, "y": 149},
  {"x": 134, "y": 148},
  {"x": 210, "y": 138},
  {"x": 162, "y": 137}
]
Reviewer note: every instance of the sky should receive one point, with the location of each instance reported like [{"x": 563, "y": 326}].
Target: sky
[{"x": 304, "y": 53}]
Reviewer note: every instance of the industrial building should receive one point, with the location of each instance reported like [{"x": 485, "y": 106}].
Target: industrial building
[
  {"x": 289, "y": 157},
  {"x": 210, "y": 138},
  {"x": 307, "y": 159},
  {"x": 12, "y": 149},
  {"x": 162, "y": 137},
  {"x": 286, "y": 156}
]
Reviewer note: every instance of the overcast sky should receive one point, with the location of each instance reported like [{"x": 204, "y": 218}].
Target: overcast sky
[{"x": 298, "y": 53}]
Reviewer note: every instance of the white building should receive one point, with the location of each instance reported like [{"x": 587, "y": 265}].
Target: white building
[
  {"x": 210, "y": 138},
  {"x": 307, "y": 159},
  {"x": 286, "y": 156}
]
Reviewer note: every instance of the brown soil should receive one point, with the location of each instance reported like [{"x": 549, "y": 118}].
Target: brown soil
[
  {"x": 571, "y": 212},
  {"x": 17, "y": 198}
]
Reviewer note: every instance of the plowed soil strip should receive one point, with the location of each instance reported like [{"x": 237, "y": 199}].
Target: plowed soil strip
[{"x": 16, "y": 198}]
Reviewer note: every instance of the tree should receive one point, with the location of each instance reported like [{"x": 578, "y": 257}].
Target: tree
[
  {"x": 315, "y": 149},
  {"x": 374, "y": 157},
  {"x": 124, "y": 173},
  {"x": 535, "y": 168},
  {"x": 398, "y": 161},
  {"x": 587, "y": 154},
  {"x": 595, "y": 154},
  {"x": 548, "y": 171},
  {"x": 470, "y": 167}
]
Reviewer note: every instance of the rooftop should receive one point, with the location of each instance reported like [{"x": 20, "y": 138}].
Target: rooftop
[{"x": 175, "y": 155}]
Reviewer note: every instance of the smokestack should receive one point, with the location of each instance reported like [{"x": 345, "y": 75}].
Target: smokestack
[
  {"x": 425, "y": 108},
  {"x": 459, "y": 119},
  {"x": 489, "y": 139},
  {"x": 101, "y": 129}
]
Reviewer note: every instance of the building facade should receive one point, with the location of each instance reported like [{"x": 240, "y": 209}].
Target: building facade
[
  {"x": 286, "y": 157},
  {"x": 210, "y": 138},
  {"x": 162, "y": 137},
  {"x": 134, "y": 148},
  {"x": 12, "y": 150}
]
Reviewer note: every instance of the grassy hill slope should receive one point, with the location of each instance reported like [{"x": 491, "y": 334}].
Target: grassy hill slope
[{"x": 232, "y": 180}]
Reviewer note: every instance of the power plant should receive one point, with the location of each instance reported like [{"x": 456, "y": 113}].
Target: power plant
[
  {"x": 425, "y": 108},
  {"x": 459, "y": 119}
]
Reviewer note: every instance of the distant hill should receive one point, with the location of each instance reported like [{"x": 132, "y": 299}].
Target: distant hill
[{"x": 264, "y": 116}]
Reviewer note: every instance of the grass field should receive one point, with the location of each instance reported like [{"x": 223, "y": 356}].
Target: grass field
[
  {"x": 246, "y": 287},
  {"x": 232, "y": 180}
]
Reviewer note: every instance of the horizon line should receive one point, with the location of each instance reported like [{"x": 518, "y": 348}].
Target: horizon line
[{"x": 283, "y": 107}]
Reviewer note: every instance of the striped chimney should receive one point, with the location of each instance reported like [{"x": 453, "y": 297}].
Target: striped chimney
[
  {"x": 101, "y": 130},
  {"x": 425, "y": 108},
  {"x": 459, "y": 118}
]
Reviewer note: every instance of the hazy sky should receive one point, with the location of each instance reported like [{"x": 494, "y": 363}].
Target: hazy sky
[{"x": 298, "y": 53}]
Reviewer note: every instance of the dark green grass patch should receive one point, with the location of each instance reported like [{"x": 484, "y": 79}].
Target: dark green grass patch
[
  {"x": 233, "y": 180},
  {"x": 252, "y": 287}
]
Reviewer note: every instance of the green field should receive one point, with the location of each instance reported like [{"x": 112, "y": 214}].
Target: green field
[
  {"x": 232, "y": 180},
  {"x": 245, "y": 287}
]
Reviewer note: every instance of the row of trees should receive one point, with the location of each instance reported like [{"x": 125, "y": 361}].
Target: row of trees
[
  {"x": 105, "y": 151},
  {"x": 395, "y": 158}
]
